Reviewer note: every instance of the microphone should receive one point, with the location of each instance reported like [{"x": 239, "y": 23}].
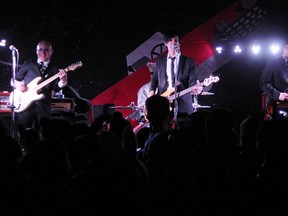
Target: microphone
[
  {"x": 12, "y": 47},
  {"x": 176, "y": 47}
]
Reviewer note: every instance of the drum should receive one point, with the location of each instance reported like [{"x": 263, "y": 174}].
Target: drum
[
  {"x": 136, "y": 118},
  {"x": 134, "y": 122}
]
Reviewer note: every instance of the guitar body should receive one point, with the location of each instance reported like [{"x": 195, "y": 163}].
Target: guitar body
[
  {"x": 168, "y": 92},
  {"x": 23, "y": 100}
]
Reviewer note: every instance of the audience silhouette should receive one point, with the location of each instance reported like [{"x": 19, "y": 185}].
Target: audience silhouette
[{"x": 212, "y": 166}]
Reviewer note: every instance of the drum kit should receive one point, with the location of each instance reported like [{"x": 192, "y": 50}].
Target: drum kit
[
  {"x": 137, "y": 117},
  {"x": 195, "y": 103}
]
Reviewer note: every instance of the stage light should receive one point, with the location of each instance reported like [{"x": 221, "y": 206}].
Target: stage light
[
  {"x": 221, "y": 45},
  {"x": 275, "y": 48},
  {"x": 255, "y": 49},
  {"x": 219, "y": 49},
  {"x": 3, "y": 42},
  {"x": 237, "y": 49}
]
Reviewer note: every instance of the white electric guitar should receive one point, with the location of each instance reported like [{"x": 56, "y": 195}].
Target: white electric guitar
[{"x": 22, "y": 100}]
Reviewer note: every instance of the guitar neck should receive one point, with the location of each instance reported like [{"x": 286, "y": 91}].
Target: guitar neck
[
  {"x": 185, "y": 91},
  {"x": 49, "y": 80},
  {"x": 46, "y": 82}
]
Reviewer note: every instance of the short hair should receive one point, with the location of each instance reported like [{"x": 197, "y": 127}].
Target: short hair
[
  {"x": 170, "y": 34},
  {"x": 158, "y": 108}
]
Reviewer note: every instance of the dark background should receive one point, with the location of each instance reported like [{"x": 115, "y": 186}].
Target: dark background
[{"x": 102, "y": 33}]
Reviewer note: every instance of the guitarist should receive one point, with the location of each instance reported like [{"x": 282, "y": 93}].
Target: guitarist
[
  {"x": 274, "y": 81},
  {"x": 31, "y": 69},
  {"x": 184, "y": 70}
]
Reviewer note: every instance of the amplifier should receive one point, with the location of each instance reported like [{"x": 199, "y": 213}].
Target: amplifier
[
  {"x": 62, "y": 105},
  {"x": 4, "y": 102}
]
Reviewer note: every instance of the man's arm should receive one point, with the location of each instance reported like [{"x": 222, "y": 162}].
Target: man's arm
[
  {"x": 266, "y": 81},
  {"x": 63, "y": 78}
]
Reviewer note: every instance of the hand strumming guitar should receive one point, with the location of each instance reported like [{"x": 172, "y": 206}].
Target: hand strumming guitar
[
  {"x": 283, "y": 96},
  {"x": 20, "y": 86}
]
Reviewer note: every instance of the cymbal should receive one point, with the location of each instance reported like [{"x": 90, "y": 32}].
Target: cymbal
[
  {"x": 207, "y": 93},
  {"x": 126, "y": 107}
]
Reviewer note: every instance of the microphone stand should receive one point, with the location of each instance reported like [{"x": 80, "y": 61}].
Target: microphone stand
[{"x": 14, "y": 68}]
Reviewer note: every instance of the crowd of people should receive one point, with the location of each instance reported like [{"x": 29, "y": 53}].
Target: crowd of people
[{"x": 208, "y": 167}]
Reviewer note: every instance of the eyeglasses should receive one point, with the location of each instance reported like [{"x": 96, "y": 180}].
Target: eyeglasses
[{"x": 43, "y": 50}]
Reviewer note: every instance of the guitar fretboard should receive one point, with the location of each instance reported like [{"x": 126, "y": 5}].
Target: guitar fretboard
[{"x": 179, "y": 94}]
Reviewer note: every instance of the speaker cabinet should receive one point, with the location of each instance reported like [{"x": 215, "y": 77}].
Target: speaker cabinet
[{"x": 99, "y": 110}]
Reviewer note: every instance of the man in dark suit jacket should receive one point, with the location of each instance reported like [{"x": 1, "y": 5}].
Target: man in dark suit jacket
[
  {"x": 38, "y": 109},
  {"x": 274, "y": 81},
  {"x": 184, "y": 70},
  {"x": 274, "y": 78}
]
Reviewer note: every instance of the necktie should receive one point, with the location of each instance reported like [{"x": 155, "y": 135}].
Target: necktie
[
  {"x": 172, "y": 71},
  {"x": 42, "y": 67}
]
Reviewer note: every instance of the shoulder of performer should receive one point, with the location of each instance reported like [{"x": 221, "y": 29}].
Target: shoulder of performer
[
  {"x": 53, "y": 66},
  {"x": 29, "y": 62},
  {"x": 27, "y": 65}
]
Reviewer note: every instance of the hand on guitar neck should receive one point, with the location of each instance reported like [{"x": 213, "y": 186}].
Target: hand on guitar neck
[{"x": 197, "y": 89}]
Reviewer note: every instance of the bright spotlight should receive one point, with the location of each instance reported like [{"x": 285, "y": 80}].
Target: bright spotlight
[
  {"x": 219, "y": 49},
  {"x": 275, "y": 48},
  {"x": 3, "y": 42},
  {"x": 255, "y": 49},
  {"x": 237, "y": 49}
]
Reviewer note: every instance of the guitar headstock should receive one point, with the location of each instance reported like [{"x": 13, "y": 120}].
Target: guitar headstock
[
  {"x": 74, "y": 66},
  {"x": 210, "y": 79}
]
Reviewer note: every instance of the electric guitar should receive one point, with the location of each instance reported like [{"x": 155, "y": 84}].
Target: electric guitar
[
  {"x": 170, "y": 93},
  {"x": 22, "y": 100}
]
